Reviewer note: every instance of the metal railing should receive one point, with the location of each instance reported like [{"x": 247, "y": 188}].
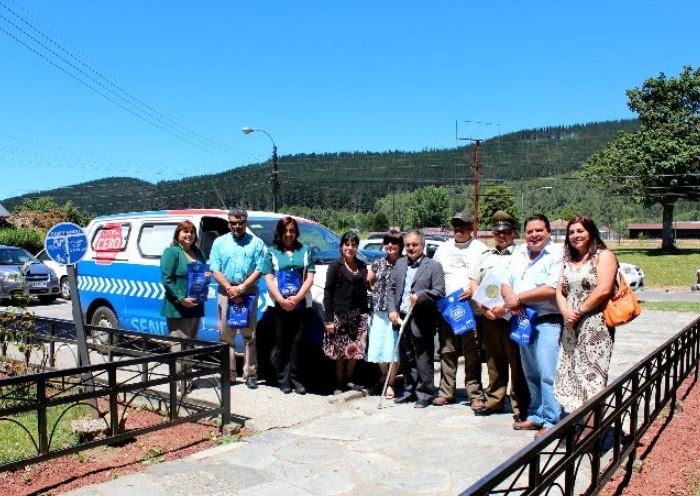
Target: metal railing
[
  {"x": 140, "y": 371},
  {"x": 582, "y": 452}
]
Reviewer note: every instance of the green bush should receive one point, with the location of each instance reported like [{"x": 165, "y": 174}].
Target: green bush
[{"x": 30, "y": 239}]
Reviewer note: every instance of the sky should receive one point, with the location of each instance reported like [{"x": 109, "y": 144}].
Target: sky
[{"x": 160, "y": 89}]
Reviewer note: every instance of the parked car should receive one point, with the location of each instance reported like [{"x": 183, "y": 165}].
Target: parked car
[
  {"x": 633, "y": 275},
  {"x": 371, "y": 246},
  {"x": 21, "y": 273},
  {"x": 60, "y": 270}
]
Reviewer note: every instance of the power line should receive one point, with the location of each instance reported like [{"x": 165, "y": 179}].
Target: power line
[{"x": 100, "y": 84}]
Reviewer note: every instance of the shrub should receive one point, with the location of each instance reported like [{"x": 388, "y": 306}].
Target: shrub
[{"x": 31, "y": 239}]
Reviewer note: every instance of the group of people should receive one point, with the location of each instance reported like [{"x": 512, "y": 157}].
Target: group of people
[
  {"x": 387, "y": 312},
  {"x": 237, "y": 261},
  {"x": 566, "y": 360}
]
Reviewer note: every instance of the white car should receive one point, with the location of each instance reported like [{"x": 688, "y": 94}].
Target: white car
[
  {"x": 633, "y": 275},
  {"x": 60, "y": 270}
]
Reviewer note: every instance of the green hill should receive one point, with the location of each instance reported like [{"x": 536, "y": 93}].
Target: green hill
[{"x": 354, "y": 181}]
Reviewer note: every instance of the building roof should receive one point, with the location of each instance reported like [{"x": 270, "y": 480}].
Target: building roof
[
  {"x": 3, "y": 211},
  {"x": 657, "y": 225}
]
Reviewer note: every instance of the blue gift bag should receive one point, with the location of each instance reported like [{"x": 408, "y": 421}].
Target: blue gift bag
[
  {"x": 288, "y": 282},
  {"x": 197, "y": 282},
  {"x": 238, "y": 314},
  {"x": 457, "y": 313},
  {"x": 521, "y": 326}
]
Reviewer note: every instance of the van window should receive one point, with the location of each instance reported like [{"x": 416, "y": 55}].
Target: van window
[
  {"x": 109, "y": 239},
  {"x": 154, "y": 238}
]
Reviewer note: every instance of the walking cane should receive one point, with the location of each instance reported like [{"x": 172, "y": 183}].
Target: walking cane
[{"x": 396, "y": 351}]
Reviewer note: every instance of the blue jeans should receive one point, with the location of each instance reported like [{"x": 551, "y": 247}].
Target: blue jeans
[{"x": 539, "y": 365}]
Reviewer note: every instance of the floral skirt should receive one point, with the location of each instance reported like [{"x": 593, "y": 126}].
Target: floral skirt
[{"x": 349, "y": 341}]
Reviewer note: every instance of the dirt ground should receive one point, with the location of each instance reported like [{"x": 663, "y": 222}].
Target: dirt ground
[
  {"x": 668, "y": 457},
  {"x": 106, "y": 463}
]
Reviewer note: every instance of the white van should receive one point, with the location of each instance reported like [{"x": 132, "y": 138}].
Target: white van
[{"x": 119, "y": 279}]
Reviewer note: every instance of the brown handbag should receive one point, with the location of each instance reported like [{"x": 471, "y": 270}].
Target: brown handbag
[{"x": 623, "y": 307}]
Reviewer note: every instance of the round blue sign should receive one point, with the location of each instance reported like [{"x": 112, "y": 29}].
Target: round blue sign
[{"x": 66, "y": 243}]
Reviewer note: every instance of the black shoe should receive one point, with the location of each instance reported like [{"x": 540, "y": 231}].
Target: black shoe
[
  {"x": 285, "y": 389},
  {"x": 422, "y": 404},
  {"x": 406, "y": 398},
  {"x": 300, "y": 389},
  {"x": 251, "y": 382},
  {"x": 485, "y": 411}
]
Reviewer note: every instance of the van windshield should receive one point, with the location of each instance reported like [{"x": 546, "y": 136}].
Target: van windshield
[{"x": 324, "y": 244}]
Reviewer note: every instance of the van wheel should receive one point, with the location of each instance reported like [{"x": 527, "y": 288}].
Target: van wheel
[
  {"x": 65, "y": 288},
  {"x": 104, "y": 317}
]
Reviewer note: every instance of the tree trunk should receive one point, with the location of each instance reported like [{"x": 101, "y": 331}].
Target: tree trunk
[{"x": 668, "y": 241}]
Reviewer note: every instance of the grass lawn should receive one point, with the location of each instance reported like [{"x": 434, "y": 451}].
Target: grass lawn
[
  {"x": 661, "y": 269},
  {"x": 18, "y": 443}
]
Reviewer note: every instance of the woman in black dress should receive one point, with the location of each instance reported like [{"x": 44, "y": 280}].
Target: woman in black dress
[{"x": 346, "y": 312}]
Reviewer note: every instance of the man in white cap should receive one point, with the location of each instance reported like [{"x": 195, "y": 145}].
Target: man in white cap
[{"x": 458, "y": 259}]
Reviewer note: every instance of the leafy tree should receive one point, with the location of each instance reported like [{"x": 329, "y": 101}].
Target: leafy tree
[
  {"x": 395, "y": 207},
  {"x": 496, "y": 198},
  {"x": 659, "y": 163},
  {"x": 430, "y": 208},
  {"x": 567, "y": 213},
  {"x": 44, "y": 212}
]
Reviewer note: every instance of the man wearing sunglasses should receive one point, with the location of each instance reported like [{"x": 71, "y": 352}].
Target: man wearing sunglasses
[{"x": 236, "y": 263}]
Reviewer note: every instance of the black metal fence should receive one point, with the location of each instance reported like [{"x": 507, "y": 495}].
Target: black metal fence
[
  {"x": 137, "y": 370},
  {"x": 582, "y": 452}
]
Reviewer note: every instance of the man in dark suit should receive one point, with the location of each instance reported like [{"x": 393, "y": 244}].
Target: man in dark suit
[{"x": 418, "y": 282}]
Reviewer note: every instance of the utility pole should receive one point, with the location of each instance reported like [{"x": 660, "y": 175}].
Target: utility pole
[
  {"x": 275, "y": 181},
  {"x": 476, "y": 188},
  {"x": 477, "y": 169}
]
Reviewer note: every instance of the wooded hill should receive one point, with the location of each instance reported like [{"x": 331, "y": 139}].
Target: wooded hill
[{"x": 523, "y": 161}]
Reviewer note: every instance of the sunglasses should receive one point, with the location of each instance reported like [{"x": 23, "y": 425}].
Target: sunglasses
[
  {"x": 237, "y": 222},
  {"x": 391, "y": 242}
]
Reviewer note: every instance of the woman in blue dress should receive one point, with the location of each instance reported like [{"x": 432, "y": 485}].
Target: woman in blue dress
[{"x": 382, "y": 335}]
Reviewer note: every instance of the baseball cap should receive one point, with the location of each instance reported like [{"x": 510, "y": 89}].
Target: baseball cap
[{"x": 464, "y": 217}]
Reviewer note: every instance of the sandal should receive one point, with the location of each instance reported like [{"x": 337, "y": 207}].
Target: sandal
[{"x": 390, "y": 393}]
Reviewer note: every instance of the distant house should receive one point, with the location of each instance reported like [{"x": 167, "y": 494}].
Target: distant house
[
  {"x": 558, "y": 228},
  {"x": 681, "y": 230}
]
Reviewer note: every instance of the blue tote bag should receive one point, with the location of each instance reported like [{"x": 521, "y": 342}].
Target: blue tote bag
[
  {"x": 238, "y": 314},
  {"x": 521, "y": 326},
  {"x": 457, "y": 313}
]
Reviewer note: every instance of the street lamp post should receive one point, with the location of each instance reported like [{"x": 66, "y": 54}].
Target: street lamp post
[{"x": 275, "y": 174}]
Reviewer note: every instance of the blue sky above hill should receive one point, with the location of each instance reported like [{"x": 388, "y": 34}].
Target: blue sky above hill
[{"x": 160, "y": 90}]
